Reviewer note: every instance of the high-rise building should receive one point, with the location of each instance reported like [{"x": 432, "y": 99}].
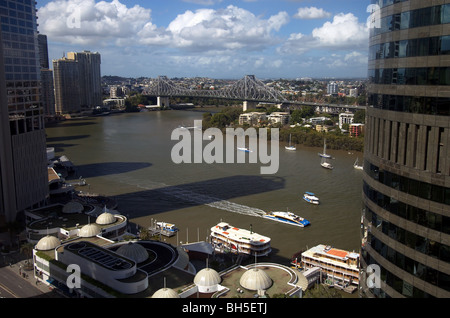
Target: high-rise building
[
  {"x": 406, "y": 181},
  {"x": 67, "y": 88},
  {"x": 25, "y": 145},
  {"x": 77, "y": 81},
  {"x": 47, "y": 89},
  {"x": 90, "y": 78}
]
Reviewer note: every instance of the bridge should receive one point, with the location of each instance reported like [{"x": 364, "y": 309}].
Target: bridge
[{"x": 249, "y": 89}]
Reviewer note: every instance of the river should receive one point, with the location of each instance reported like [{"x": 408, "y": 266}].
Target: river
[{"x": 128, "y": 156}]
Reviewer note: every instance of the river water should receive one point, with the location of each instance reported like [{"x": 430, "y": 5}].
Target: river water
[{"x": 128, "y": 156}]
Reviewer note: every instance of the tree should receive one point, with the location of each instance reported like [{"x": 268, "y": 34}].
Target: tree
[{"x": 360, "y": 117}]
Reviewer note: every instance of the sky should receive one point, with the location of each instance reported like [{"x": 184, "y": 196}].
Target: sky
[{"x": 213, "y": 38}]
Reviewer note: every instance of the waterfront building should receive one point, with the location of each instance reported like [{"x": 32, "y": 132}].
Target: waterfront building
[
  {"x": 279, "y": 118},
  {"x": 406, "y": 179},
  {"x": 345, "y": 118},
  {"x": 253, "y": 118},
  {"x": 227, "y": 238},
  {"x": 356, "y": 130},
  {"x": 25, "y": 147},
  {"x": 47, "y": 89},
  {"x": 339, "y": 265},
  {"x": 90, "y": 78},
  {"x": 77, "y": 82},
  {"x": 67, "y": 88}
]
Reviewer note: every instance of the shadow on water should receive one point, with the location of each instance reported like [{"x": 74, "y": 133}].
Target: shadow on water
[
  {"x": 65, "y": 138},
  {"x": 109, "y": 168},
  {"x": 214, "y": 193},
  {"x": 61, "y": 146}
]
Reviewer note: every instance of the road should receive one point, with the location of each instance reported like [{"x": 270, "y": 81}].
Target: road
[{"x": 12, "y": 285}]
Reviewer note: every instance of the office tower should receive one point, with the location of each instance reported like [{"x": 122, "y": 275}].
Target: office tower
[
  {"x": 91, "y": 82},
  {"x": 27, "y": 145},
  {"x": 406, "y": 181},
  {"x": 47, "y": 89},
  {"x": 7, "y": 194},
  {"x": 77, "y": 74},
  {"x": 43, "y": 51},
  {"x": 67, "y": 88}
]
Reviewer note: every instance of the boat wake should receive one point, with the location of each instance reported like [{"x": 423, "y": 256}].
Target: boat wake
[{"x": 193, "y": 197}]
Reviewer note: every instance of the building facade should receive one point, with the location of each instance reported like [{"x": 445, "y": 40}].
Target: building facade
[
  {"x": 406, "y": 181},
  {"x": 27, "y": 144},
  {"x": 89, "y": 72},
  {"x": 77, "y": 81},
  {"x": 67, "y": 89}
]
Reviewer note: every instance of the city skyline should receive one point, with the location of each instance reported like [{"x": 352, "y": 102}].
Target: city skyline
[{"x": 213, "y": 38}]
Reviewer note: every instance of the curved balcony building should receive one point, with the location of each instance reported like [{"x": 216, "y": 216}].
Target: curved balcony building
[{"x": 406, "y": 186}]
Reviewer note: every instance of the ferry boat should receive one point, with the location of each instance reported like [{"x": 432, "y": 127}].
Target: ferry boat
[
  {"x": 288, "y": 218},
  {"x": 311, "y": 198},
  {"x": 227, "y": 238},
  {"x": 167, "y": 227},
  {"x": 341, "y": 267}
]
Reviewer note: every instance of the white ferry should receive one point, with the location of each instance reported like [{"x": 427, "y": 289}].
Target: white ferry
[
  {"x": 311, "y": 198},
  {"x": 227, "y": 238},
  {"x": 288, "y": 218},
  {"x": 167, "y": 227}
]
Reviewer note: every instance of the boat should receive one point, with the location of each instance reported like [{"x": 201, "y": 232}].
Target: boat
[
  {"x": 244, "y": 149},
  {"x": 324, "y": 154},
  {"x": 356, "y": 166},
  {"x": 226, "y": 238},
  {"x": 166, "y": 227},
  {"x": 311, "y": 198},
  {"x": 288, "y": 218},
  {"x": 324, "y": 160},
  {"x": 290, "y": 147},
  {"x": 325, "y": 164}
]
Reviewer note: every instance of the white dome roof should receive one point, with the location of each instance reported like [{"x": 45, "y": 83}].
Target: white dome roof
[
  {"x": 105, "y": 218},
  {"x": 89, "y": 230},
  {"x": 255, "y": 279},
  {"x": 73, "y": 207},
  {"x": 47, "y": 243},
  {"x": 207, "y": 277},
  {"x": 166, "y": 293},
  {"x": 133, "y": 251}
]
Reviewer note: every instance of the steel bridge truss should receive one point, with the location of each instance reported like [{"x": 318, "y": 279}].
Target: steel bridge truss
[{"x": 246, "y": 89}]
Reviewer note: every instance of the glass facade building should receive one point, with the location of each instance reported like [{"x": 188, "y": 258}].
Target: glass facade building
[
  {"x": 23, "y": 105},
  {"x": 406, "y": 181}
]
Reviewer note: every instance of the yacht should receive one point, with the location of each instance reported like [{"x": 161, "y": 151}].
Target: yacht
[
  {"x": 324, "y": 154},
  {"x": 311, "y": 198},
  {"x": 356, "y": 166},
  {"x": 326, "y": 164},
  {"x": 288, "y": 218},
  {"x": 290, "y": 147}
]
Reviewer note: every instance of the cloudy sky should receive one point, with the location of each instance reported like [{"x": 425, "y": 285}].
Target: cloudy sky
[{"x": 212, "y": 38}]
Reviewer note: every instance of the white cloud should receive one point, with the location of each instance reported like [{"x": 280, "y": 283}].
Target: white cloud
[
  {"x": 311, "y": 13},
  {"x": 231, "y": 28},
  {"x": 88, "y": 22},
  {"x": 343, "y": 33}
]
